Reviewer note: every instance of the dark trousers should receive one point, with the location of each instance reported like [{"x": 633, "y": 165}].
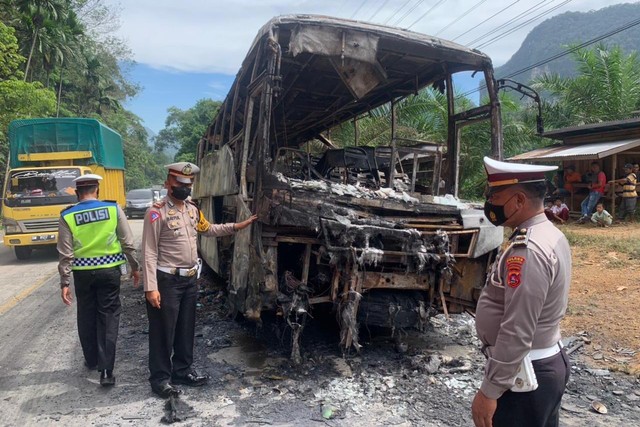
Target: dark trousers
[
  {"x": 98, "y": 295},
  {"x": 539, "y": 408},
  {"x": 172, "y": 327}
]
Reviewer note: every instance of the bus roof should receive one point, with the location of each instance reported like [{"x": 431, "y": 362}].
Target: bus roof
[{"x": 334, "y": 70}]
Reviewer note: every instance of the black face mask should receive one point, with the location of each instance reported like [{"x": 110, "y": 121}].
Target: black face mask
[
  {"x": 180, "y": 193},
  {"x": 495, "y": 213}
]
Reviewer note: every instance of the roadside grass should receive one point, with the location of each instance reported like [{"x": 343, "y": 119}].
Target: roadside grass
[{"x": 622, "y": 245}]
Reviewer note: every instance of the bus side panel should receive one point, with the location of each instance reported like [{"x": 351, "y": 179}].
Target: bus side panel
[
  {"x": 208, "y": 246},
  {"x": 217, "y": 175}
]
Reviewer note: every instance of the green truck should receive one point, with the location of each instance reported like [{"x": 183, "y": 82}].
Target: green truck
[{"x": 45, "y": 156}]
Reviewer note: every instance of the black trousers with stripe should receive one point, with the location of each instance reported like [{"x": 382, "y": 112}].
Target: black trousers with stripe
[
  {"x": 539, "y": 408},
  {"x": 98, "y": 296},
  {"x": 172, "y": 328}
]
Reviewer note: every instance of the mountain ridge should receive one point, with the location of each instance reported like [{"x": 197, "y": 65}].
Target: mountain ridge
[{"x": 558, "y": 33}]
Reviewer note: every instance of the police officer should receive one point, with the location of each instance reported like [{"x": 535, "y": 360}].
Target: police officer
[
  {"x": 520, "y": 308},
  {"x": 93, "y": 240},
  {"x": 169, "y": 250}
]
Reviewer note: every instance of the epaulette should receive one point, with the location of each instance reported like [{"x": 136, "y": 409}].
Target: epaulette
[
  {"x": 159, "y": 204},
  {"x": 197, "y": 206},
  {"x": 68, "y": 207},
  {"x": 521, "y": 237},
  {"x": 110, "y": 201}
]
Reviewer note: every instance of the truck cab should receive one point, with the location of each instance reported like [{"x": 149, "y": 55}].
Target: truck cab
[
  {"x": 33, "y": 199},
  {"x": 45, "y": 156}
]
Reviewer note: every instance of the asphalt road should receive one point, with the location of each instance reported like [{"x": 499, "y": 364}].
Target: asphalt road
[{"x": 42, "y": 377}]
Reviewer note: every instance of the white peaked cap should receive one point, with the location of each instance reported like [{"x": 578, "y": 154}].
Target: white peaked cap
[
  {"x": 87, "y": 179},
  {"x": 504, "y": 173}
]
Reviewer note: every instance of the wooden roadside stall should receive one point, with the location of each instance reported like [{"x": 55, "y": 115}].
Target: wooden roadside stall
[{"x": 611, "y": 144}]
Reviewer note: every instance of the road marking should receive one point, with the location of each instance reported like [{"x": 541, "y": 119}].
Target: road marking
[{"x": 22, "y": 295}]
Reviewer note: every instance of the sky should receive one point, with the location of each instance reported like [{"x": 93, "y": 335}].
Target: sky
[{"x": 191, "y": 49}]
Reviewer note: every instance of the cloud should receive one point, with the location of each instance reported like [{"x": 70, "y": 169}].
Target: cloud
[{"x": 214, "y": 36}]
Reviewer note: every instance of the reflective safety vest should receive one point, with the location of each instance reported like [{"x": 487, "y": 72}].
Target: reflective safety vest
[{"x": 93, "y": 225}]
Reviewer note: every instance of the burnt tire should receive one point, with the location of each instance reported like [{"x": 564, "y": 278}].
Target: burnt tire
[{"x": 23, "y": 252}]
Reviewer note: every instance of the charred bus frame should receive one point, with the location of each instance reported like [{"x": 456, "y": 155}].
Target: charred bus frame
[{"x": 385, "y": 252}]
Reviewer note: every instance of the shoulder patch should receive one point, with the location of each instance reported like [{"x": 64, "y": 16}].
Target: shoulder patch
[
  {"x": 154, "y": 216},
  {"x": 514, "y": 270},
  {"x": 159, "y": 204}
]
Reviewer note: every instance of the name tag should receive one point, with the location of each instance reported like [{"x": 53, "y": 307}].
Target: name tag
[{"x": 91, "y": 216}]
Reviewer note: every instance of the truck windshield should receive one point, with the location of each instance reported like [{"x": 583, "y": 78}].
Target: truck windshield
[{"x": 40, "y": 187}]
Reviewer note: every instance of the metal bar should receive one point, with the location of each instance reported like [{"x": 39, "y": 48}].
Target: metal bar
[
  {"x": 307, "y": 261},
  {"x": 234, "y": 106},
  {"x": 335, "y": 282},
  {"x": 414, "y": 172},
  {"x": 356, "y": 131},
  {"x": 442, "y": 300},
  {"x": 612, "y": 187},
  {"x": 392, "y": 162},
  {"x": 496, "y": 119},
  {"x": 452, "y": 140},
  {"x": 245, "y": 149}
]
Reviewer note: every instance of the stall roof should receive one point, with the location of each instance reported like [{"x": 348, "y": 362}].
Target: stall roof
[
  {"x": 560, "y": 152},
  {"x": 594, "y": 128}
]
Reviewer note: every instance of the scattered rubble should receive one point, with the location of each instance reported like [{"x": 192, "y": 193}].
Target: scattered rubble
[{"x": 431, "y": 382}]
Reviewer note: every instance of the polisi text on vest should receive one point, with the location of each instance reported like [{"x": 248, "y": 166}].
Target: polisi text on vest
[{"x": 91, "y": 216}]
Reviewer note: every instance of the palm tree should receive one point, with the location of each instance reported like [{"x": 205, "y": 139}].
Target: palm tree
[
  {"x": 34, "y": 15},
  {"x": 607, "y": 86}
]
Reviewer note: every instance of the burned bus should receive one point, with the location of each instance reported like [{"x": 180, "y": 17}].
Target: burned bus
[{"x": 378, "y": 232}]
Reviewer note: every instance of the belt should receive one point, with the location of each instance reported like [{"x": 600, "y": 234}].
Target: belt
[
  {"x": 542, "y": 353},
  {"x": 185, "y": 272}
]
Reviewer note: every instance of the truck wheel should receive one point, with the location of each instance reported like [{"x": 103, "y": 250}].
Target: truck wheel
[{"x": 23, "y": 252}]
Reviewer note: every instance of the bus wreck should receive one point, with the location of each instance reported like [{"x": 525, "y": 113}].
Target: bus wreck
[{"x": 378, "y": 232}]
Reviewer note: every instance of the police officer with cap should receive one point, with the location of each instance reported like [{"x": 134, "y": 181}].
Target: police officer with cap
[
  {"x": 95, "y": 242},
  {"x": 521, "y": 305},
  {"x": 169, "y": 250}
]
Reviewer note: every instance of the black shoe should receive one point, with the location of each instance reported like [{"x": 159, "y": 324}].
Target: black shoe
[
  {"x": 191, "y": 379},
  {"x": 107, "y": 378},
  {"x": 90, "y": 367},
  {"x": 165, "y": 390}
]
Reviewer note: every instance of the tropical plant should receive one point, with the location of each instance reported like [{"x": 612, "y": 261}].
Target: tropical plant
[
  {"x": 607, "y": 86},
  {"x": 35, "y": 14}
]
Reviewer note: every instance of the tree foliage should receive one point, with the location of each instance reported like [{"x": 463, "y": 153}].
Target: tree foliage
[
  {"x": 58, "y": 58},
  {"x": 10, "y": 58},
  {"x": 606, "y": 88},
  {"x": 184, "y": 128}
]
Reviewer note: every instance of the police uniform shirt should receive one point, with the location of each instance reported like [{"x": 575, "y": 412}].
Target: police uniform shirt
[
  {"x": 65, "y": 245},
  {"x": 169, "y": 237},
  {"x": 523, "y": 301}
]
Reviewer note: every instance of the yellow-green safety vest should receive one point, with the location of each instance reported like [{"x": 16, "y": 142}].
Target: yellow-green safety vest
[{"x": 93, "y": 224}]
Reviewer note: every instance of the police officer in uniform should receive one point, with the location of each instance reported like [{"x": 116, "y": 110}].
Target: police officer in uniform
[
  {"x": 95, "y": 242},
  {"x": 169, "y": 250},
  {"x": 521, "y": 305}
]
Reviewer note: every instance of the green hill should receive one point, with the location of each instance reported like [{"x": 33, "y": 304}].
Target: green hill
[{"x": 556, "y": 34}]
